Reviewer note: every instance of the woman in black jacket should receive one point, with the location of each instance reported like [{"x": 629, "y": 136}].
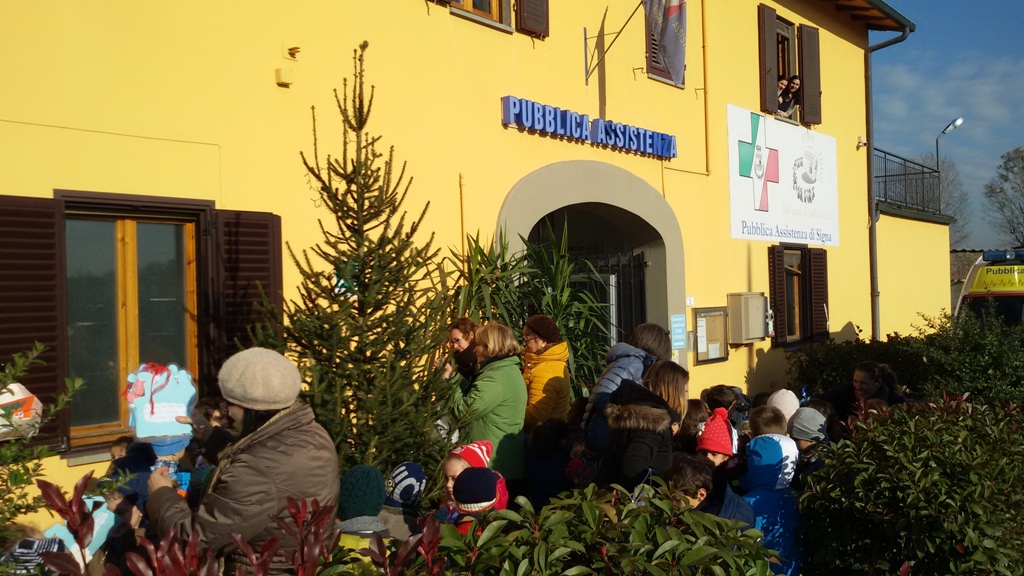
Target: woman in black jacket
[{"x": 642, "y": 424}]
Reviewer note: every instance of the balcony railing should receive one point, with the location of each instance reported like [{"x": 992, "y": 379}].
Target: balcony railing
[{"x": 906, "y": 183}]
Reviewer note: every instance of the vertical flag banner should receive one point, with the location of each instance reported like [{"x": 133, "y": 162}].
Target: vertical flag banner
[{"x": 667, "y": 21}]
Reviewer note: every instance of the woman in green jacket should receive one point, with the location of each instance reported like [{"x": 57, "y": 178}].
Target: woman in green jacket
[{"x": 494, "y": 405}]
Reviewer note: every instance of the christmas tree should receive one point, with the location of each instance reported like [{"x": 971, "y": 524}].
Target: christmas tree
[{"x": 369, "y": 318}]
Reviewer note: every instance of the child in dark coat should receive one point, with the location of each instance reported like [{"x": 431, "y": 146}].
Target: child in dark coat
[
  {"x": 640, "y": 442},
  {"x": 693, "y": 479}
]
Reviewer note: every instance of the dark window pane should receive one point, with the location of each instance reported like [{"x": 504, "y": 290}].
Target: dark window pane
[
  {"x": 482, "y": 5},
  {"x": 163, "y": 309},
  {"x": 92, "y": 320}
]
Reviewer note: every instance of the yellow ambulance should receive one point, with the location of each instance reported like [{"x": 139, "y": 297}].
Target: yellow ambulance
[{"x": 999, "y": 274}]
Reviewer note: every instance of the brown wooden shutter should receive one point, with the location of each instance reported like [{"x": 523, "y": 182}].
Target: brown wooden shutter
[
  {"x": 818, "y": 272},
  {"x": 246, "y": 256},
  {"x": 655, "y": 61},
  {"x": 777, "y": 292},
  {"x": 810, "y": 75},
  {"x": 532, "y": 17},
  {"x": 32, "y": 305},
  {"x": 768, "y": 43}
]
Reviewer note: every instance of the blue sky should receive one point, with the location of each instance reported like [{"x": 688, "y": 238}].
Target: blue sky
[{"x": 965, "y": 59}]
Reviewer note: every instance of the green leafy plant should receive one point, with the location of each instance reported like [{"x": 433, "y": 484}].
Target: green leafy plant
[
  {"x": 587, "y": 531},
  {"x": 962, "y": 354},
  {"x": 20, "y": 459},
  {"x": 938, "y": 486},
  {"x": 495, "y": 284}
]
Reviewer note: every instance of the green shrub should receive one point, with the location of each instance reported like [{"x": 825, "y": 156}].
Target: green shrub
[
  {"x": 495, "y": 284},
  {"x": 958, "y": 355},
  {"x": 967, "y": 354},
  {"x": 20, "y": 458},
  {"x": 938, "y": 486},
  {"x": 825, "y": 365},
  {"x": 588, "y": 532}
]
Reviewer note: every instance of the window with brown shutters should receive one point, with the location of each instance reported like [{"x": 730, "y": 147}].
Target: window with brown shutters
[
  {"x": 769, "y": 67},
  {"x": 532, "y": 17},
  {"x": 655, "y": 61},
  {"x": 32, "y": 300},
  {"x": 783, "y": 54},
  {"x": 177, "y": 281},
  {"x": 798, "y": 294},
  {"x": 810, "y": 75},
  {"x": 245, "y": 264}
]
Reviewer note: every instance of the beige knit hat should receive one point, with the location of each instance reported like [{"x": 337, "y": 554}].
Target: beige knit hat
[{"x": 259, "y": 379}]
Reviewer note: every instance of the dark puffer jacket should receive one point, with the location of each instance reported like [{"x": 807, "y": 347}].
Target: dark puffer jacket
[
  {"x": 640, "y": 438},
  {"x": 290, "y": 455}
]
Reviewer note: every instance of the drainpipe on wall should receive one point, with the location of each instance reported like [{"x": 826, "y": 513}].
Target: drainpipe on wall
[{"x": 876, "y": 321}]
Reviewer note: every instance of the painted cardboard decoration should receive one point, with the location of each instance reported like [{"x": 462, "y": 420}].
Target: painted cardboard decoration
[
  {"x": 19, "y": 412},
  {"x": 156, "y": 395}
]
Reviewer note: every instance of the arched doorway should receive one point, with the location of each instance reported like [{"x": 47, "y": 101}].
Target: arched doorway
[
  {"x": 611, "y": 211},
  {"x": 615, "y": 243}
]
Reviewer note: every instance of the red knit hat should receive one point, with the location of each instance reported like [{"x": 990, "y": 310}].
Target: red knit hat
[
  {"x": 478, "y": 453},
  {"x": 716, "y": 436}
]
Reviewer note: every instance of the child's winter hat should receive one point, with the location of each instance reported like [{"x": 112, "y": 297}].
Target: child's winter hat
[
  {"x": 807, "y": 424},
  {"x": 260, "y": 379},
  {"x": 405, "y": 485},
  {"x": 475, "y": 490},
  {"x": 362, "y": 493},
  {"x": 771, "y": 462},
  {"x": 786, "y": 401},
  {"x": 717, "y": 435},
  {"x": 478, "y": 453}
]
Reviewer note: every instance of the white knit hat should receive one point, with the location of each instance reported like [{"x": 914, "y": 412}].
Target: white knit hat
[{"x": 260, "y": 379}]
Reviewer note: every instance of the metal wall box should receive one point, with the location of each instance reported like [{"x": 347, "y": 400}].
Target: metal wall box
[{"x": 747, "y": 317}]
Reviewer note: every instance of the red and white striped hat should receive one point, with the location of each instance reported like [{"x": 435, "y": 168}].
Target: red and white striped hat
[{"x": 478, "y": 453}]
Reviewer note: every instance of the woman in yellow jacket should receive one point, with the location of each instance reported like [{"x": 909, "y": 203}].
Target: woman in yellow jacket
[{"x": 545, "y": 370}]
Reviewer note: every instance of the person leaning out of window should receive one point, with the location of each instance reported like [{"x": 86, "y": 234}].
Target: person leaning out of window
[{"x": 789, "y": 99}]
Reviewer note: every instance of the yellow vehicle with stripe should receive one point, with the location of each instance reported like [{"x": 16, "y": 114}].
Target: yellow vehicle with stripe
[{"x": 999, "y": 274}]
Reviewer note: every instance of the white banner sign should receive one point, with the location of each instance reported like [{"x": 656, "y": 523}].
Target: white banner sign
[{"x": 782, "y": 181}]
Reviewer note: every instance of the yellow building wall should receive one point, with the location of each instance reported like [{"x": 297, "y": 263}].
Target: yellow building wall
[
  {"x": 180, "y": 100},
  {"x": 911, "y": 255}
]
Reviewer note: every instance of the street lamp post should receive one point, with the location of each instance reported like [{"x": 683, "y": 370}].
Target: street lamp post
[{"x": 938, "y": 170}]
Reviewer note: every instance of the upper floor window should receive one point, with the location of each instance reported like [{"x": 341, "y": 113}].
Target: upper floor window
[
  {"x": 788, "y": 50},
  {"x": 489, "y": 9},
  {"x": 531, "y": 15}
]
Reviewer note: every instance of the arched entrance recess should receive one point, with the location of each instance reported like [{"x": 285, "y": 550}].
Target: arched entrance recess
[{"x": 639, "y": 210}]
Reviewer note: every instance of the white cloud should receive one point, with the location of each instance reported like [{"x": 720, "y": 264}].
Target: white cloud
[{"x": 917, "y": 94}]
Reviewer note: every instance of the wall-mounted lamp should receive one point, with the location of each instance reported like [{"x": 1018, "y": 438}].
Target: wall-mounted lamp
[
  {"x": 861, "y": 142},
  {"x": 293, "y": 52}
]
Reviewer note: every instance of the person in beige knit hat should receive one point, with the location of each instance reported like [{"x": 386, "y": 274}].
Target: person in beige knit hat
[{"x": 281, "y": 452}]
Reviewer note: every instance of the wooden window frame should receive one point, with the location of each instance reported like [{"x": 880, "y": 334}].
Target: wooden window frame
[
  {"x": 812, "y": 287},
  {"x": 126, "y": 239},
  {"x": 467, "y": 6},
  {"x": 239, "y": 259},
  {"x": 783, "y": 44}
]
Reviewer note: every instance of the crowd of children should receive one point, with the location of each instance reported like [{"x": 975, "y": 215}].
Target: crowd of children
[{"x": 637, "y": 424}]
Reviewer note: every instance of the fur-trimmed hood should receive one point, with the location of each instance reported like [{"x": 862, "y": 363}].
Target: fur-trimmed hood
[{"x": 633, "y": 407}]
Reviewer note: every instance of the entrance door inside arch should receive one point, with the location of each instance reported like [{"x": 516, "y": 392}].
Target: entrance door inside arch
[{"x": 613, "y": 242}]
